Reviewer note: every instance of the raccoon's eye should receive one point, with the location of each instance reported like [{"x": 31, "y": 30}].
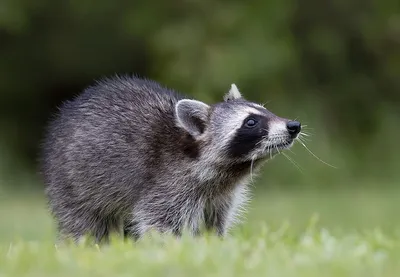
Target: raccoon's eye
[{"x": 251, "y": 123}]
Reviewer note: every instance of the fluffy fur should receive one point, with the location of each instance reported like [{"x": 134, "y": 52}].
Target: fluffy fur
[{"x": 130, "y": 154}]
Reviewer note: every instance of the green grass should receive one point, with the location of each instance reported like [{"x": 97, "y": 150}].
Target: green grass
[{"x": 296, "y": 233}]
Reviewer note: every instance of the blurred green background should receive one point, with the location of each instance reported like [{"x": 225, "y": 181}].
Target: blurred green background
[{"x": 334, "y": 65}]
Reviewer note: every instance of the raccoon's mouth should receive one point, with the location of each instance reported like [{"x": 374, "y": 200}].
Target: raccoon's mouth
[
  {"x": 281, "y": 146},
  {"x": 272, "y": 150}
]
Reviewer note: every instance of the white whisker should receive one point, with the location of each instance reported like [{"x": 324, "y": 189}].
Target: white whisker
[
  {"x": 293, "y": 162},
  {"x": 291, "y": 150},
  {"x": 315, "y": 156},
  {"x": 262, "y": 139},
  {"x": 277, "y": 149},
  {"x": 304, "y": 138},
  {"x": 270, "y": 152},
  {"x": 305, "y": 126},
  {"x": 251, "y": 169},
  {"x": 304, "y": 134}
]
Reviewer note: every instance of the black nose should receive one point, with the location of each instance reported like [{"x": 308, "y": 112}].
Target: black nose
[{"x": 293, "y": 127}]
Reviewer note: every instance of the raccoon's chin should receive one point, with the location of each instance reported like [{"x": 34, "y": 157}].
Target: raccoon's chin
[
  {"x": 270, "y": 151},
  {"x": 283, "y": 146},
  {"x": 276, "y": 148}
]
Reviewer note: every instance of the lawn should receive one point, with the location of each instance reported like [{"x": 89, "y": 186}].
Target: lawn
[{"x": 296, "y": 233}]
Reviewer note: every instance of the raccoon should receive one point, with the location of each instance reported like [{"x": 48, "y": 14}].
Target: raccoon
[{"x": 129, "y": 155}]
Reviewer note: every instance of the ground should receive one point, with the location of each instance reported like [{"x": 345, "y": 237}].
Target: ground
[{"x": 286, "y": 233}]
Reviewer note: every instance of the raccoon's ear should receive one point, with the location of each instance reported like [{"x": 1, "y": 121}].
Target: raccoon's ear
[
  {"x": 192, "y": 115},
  {"x": 233, "y": 93}
]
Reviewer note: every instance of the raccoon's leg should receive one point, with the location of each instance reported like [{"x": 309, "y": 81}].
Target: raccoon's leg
[
  {"x": 222, "y": 212},
  {"x": 135, "y": 229},
  {"x": 75, "y": 227},
  {"x": 215, "y": 218},
  {"x": 131, "y": 230},
  {"x": 149, "y": 218}
]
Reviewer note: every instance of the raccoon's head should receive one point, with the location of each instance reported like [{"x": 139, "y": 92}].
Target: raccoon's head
[{"x": 235, "y": 129}]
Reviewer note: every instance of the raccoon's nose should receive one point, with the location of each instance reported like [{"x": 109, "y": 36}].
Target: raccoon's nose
[{"x": 293, "y": 127}]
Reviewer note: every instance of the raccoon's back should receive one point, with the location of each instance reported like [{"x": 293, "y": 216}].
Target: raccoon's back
[{"x": 105, "y": 144}]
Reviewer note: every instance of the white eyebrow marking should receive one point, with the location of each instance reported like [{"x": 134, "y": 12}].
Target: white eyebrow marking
[{"x": 233, "y": 124}]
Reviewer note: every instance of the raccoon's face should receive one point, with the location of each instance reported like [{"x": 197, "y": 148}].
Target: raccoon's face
[{"x": 237, "y": 129}]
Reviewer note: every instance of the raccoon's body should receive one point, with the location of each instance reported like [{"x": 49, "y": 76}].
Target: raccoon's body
[{"x": 130, "y": 154}]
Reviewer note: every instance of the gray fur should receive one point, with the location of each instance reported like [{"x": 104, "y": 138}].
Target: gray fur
[{"x": 130, "y": 154}]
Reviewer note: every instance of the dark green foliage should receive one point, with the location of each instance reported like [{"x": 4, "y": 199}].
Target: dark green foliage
[{"x": 334, "y": 64}]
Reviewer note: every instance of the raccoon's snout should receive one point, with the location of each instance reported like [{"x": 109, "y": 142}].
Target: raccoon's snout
[
  {"x": 282, "y": 133},
  {"x": 294, "y": 128}
]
